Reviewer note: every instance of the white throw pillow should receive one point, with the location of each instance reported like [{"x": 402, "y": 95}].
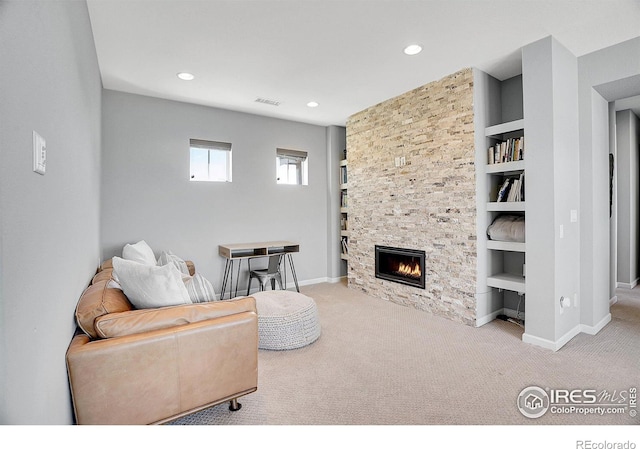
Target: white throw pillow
[
  {"x": 139, "y": 252},
  {"x": 167, "y": 257},
  {"x": 149, "y": 286}
]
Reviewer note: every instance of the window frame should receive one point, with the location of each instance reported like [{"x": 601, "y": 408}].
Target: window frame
[
  {"x": 297, "y": 158},
  {"x": 211, "y": 146}
]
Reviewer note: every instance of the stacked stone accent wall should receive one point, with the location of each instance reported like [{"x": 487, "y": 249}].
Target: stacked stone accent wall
[{"x": 428, "y": 204}]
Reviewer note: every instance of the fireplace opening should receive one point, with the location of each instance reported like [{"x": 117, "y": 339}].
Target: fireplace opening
[{"x": 405, "y": 266}]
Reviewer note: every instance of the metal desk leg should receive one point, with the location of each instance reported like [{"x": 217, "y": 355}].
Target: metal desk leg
[
  {"x": 293, "y": 272},
  {"x": 237, "y": 278},
  {"x": 225, "y": 276}
]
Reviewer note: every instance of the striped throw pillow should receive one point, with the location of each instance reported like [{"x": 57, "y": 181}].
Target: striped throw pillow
[{"x": 199, "y": 288}]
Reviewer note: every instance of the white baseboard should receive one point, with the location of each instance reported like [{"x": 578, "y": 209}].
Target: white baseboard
[
  {"x": 592, "y": 330},
  {"x": 548, "y": 344},
  {"x": 307, "y": 282},
  {"x": 556, "y": 345},
  {"x": 628, "y": 286},
  {"x": 291, "y": 285},
  {"x": 488, "y": 318},
  {"x": 336, "y": 280},
  {"x": 537, "y": 341},
  {"x": 613, "y": 300}
]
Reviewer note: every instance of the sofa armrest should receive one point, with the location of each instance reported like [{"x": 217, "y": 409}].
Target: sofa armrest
[
  {"x": 145, "y": 320},
  {"x": 160, "y": 375}
]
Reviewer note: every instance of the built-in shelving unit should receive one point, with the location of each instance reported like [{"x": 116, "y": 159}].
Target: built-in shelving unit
[
  {"x": 501, "y": 169},
  {"x": 344, "y": 217},
  {"x": 506, "y": 269}
]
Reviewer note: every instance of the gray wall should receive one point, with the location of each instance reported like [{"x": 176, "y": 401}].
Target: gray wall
[
  {"x": 610, "y": 66},
  {"x": 613, "y": 219},
  {"x": 550, "y": 101},
  {"x": 49, "y": 225},
  {"x": 567, "y": 195},
  {"x": 147, "y": 193},
  {"x": 627, "y": 129}
]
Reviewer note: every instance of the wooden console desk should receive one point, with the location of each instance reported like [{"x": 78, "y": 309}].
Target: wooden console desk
[{"x": 242, "y": 251}]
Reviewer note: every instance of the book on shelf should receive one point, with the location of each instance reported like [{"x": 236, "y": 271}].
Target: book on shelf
[
  {"x": 514, "y": 190},
  {"x": 511, "y": 190},
  {"x": 343, "y": 175},
  {"x": 345, "y": 246},
  {"x": 344, "y": 224},
  {"x": 343, "y": 199},
  {"x": 504, "y": 191},
  {"x": 507, "y": 151}
]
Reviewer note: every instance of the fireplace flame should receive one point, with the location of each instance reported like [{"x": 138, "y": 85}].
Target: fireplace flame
[{"x": 410, "y": 269}]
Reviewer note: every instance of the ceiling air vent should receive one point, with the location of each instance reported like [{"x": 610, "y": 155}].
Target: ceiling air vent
[{"x": 266, "y": 101}]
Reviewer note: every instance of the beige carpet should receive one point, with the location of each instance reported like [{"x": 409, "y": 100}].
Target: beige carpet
[{"x": 381, "y": 363}]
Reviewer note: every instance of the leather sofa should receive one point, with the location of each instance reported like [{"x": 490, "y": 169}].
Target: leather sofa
[{"x": 151, "y": 366}]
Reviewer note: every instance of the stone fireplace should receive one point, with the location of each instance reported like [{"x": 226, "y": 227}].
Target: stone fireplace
[{"x": 412, "y": 184}]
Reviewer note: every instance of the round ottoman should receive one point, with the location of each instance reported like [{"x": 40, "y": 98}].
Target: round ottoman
[{"x": 286, "y": 320}]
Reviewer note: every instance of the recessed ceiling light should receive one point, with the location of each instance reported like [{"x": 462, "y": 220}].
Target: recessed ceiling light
[
  {"x": 313, "y": 104},
  {"x": 186, "y": 76},
  {"x": 413, "y": 49}
]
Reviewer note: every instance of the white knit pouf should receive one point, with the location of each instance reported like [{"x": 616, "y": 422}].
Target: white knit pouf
[{"x": 286, "y": 320}]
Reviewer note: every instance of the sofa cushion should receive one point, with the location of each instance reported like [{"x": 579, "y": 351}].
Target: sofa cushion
[
  {"x": 149, "y": 286},
  {"x": 139, "y": 252},
  {"x": 102, "y": 275},
  {"x": 96, "y": 301},
  {"x": 106, "y": 265},
  {"x": 139, "y": 321}
]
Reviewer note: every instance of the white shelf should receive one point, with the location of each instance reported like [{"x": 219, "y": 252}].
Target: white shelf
[
  {"x": 513, "y": 166},
  {"x": 344, "y": 233},
  {"x": 503, "y": 128},
  {"x": 507, "y": 206},
  {"x": 507, "y": 281},
  {"x": 343, "y": 186},
  {"x": 343, "y": 163},
  {"x": 506, "y": 246}
]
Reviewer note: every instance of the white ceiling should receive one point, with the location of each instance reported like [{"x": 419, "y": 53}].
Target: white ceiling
[{"x": 345, "y": 54}]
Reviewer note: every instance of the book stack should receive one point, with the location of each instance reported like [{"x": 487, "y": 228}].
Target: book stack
[
  {"x": 507, "y": 151},
  {"x": 512, "y": 190}
]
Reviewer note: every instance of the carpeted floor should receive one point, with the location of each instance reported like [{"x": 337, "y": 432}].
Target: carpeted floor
[{"x": 378, "y": 363}]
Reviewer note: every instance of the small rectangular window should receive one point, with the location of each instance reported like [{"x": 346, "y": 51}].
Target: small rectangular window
[
  {"x": 210, "y": 161},
  {"x": 292, "y": 167}
]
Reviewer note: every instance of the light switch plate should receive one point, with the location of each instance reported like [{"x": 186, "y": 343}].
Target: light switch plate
[
  {"x": 574, "y": 216},
  {"x": 39, "y": 154}
]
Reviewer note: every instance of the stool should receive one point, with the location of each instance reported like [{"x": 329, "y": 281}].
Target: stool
[{"x": 286, "y": 320}]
